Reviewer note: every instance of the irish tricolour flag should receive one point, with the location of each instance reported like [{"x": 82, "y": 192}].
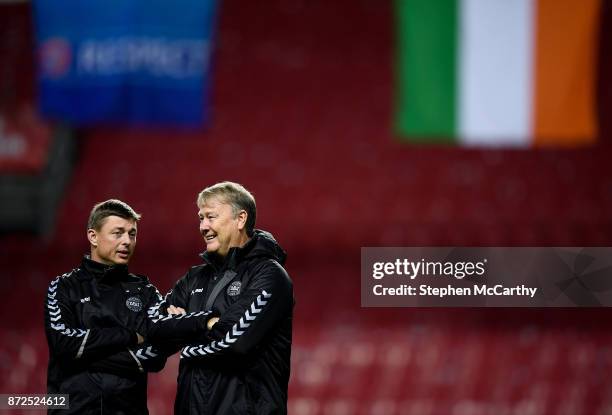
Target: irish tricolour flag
[{"x": 497, "y": 72}]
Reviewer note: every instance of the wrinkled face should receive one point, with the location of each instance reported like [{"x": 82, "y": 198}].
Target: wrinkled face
[
  {"x": 114, "y": 243},
  {"x": 219, "y": 227}
]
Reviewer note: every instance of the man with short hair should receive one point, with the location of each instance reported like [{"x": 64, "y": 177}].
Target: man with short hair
[
  {"x": 94, "y": 317},
  {"x": 241, "y": 298}
]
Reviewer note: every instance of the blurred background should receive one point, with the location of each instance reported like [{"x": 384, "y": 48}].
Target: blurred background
[{"x": 302, "y": 104}]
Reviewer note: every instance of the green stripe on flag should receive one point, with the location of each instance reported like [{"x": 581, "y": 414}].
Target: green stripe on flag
[{"x": 426, "y": 42}]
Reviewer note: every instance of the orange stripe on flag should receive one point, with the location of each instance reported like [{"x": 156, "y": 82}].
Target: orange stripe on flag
[{"x": 565, "y": 72}]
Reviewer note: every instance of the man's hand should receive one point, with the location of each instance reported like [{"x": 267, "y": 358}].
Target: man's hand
[
  {"x": 211, "y": 323},
  {"x": 140, "y": 338},
  {"x": 175, "y": 310}
]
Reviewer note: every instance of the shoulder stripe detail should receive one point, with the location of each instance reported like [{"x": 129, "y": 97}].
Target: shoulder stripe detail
[
  {"x": 146, "y": 353},
  {"x": 153, "y": 311},
  {"x": 162, "y": 317},
  {"x": 237, "y": 330},
  {"x": 55, "y": 314}
]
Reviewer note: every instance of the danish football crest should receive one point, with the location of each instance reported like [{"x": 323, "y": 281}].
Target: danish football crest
[
  {"x": 134, "y": 304},
  {"x": 234, "y": 288}
]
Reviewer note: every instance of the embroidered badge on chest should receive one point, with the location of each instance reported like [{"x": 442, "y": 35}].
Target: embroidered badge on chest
[
  {"x": 134, "y": 304},
  {"x": 234, "y": 288}
]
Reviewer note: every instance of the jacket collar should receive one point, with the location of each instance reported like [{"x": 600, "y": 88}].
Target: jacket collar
[
  {"x": 261, "y": 244},
  {"x": 104, "y": 273},
  {"x": 231, "y": 260}
]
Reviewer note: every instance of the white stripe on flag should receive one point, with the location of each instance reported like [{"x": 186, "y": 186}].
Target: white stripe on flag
[{"x": 495, "y": 71}]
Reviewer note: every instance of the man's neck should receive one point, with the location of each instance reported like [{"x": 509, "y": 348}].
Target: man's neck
[{"x": 241, "y": 241}]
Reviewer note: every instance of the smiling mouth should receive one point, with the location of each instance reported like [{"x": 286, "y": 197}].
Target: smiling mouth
[
  {"x": 209, "y": 238},
  {"x": 123, "y": 253}
]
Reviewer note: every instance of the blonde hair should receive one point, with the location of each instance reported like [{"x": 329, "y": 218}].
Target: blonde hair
[{"x": 235, "y": 195}]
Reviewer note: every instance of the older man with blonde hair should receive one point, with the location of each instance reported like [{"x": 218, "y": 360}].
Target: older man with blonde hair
[{"x": 240, "y": 363}]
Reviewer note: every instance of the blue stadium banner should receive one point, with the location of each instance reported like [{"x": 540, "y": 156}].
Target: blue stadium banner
[{"x": 125, "y": 61}]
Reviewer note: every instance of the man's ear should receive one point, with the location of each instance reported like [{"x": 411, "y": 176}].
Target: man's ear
[
  {"x": 242, "y": 218},
  {"x": 92, "y": 237}
]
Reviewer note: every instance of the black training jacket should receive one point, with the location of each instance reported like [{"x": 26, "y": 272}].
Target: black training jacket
[
  {"x": 92, "y": 315},
  {"x": 242, "y": 365}
]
